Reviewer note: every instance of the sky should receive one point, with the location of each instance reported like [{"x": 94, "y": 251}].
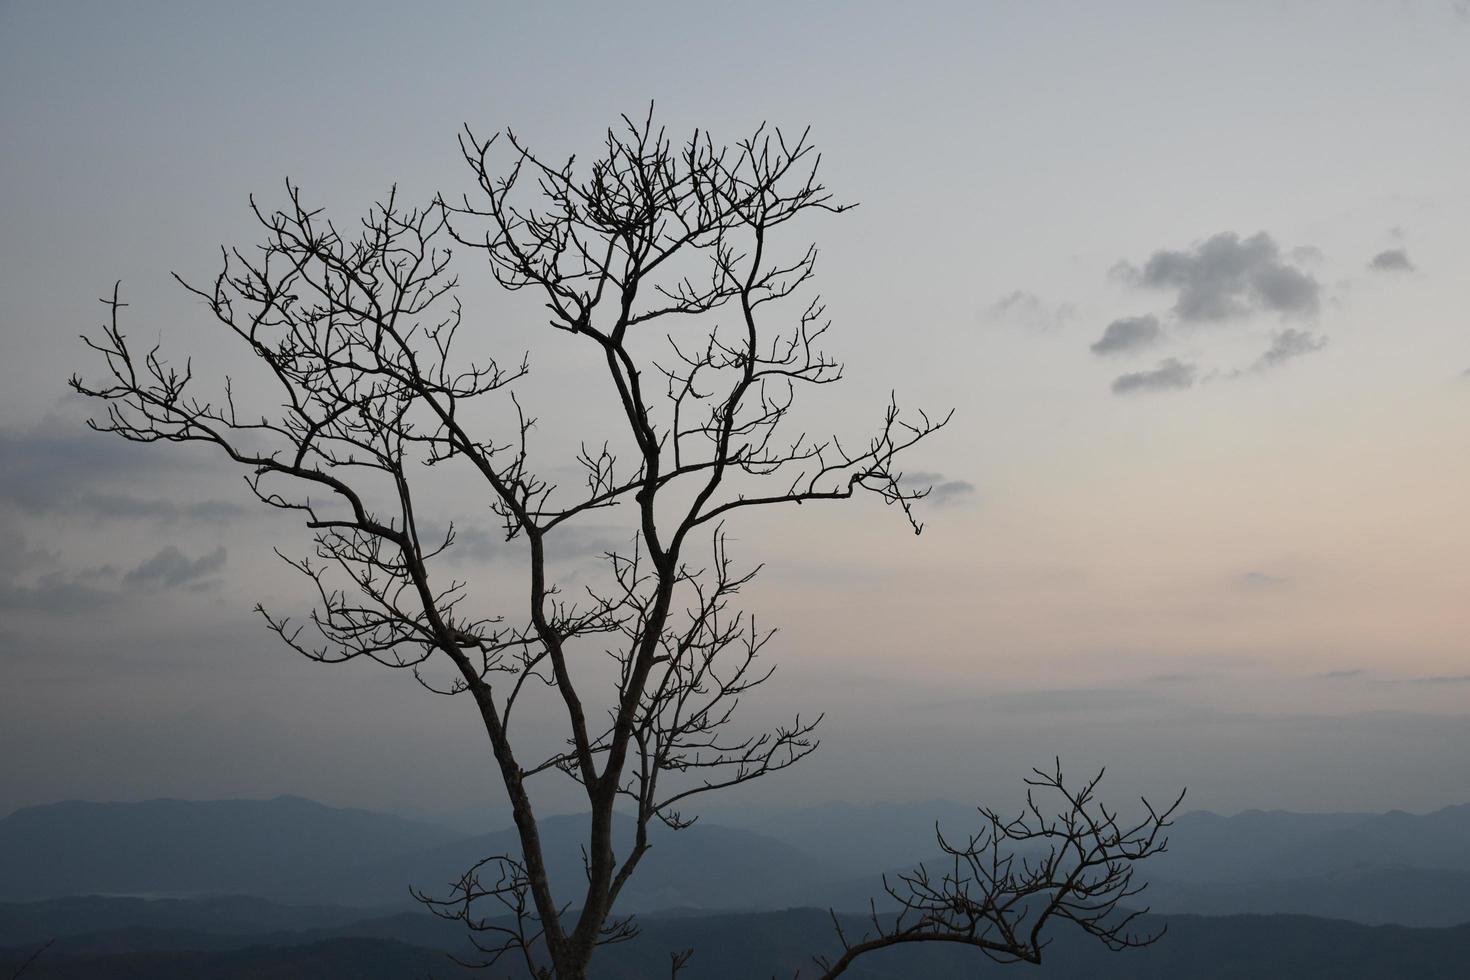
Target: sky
[{"x": 1189, "y": 274}]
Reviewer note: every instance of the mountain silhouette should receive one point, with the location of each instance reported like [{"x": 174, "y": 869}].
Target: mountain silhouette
[{"x": 179, "y": 847}]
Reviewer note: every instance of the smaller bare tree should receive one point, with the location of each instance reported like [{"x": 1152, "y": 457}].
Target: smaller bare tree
[{"x": 1002, "y": 886}]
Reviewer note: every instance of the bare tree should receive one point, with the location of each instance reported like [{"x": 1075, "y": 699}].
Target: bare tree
[
  {"x": 664, "y": 259},
  {"x": 1003, "y": 885}
]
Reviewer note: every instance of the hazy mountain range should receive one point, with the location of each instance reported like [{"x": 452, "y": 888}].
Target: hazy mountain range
[
  {"x": 739, "y": 946},
  {"x": 291, "y": 887},
  {"x": 173, "y": 847}
]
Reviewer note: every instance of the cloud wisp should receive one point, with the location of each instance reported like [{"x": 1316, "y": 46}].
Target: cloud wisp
[
  {"x": 170, "y": 568},
  {"x": 1262, "y": 581},
  {"x": 943, "y": 490},
  {"x": 1029, "y": 310},
  {"x": 1128, "y": 335},
  {"x": 1171, "y": 375},
  {"x": 1391, "y": 260},
  {"x": 30, "y": 580},
  {"x": 1288, "y": 345},
  {"x": 56, "y": 468}
]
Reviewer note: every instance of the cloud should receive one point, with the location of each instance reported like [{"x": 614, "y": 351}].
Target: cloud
[
  {"x": 1227, "y": 276},
  {"x": 1288, "y": 345},
  {"x": 170, "y": 568},
  {"x": 1128, "y": 334},
  {"x": 17, "y": 558},
  {"x": 1306, "y": 254},
  {"x": 1178, "y": 677},
  {"x": 1262, "y": 580},
  {"x": 29, "y": 579},
  {"x": 1048, "y": 700},
  {"x": 1341, "y": 675},
  {"x": 41, "y": 467},
  {"x": 942, "y": 491},
  {"x": 1030, "y": 310},
  {"x": 1391, "y": 260},
  {"x": 950, "y": 492},
  {"x": 57, "y": 592},
  {"x": 56, "y": 467},
  {"x": 1170, "y": 375},
  {"x": 121, "y": 505},
  {"x": 1444, "y": 679}
]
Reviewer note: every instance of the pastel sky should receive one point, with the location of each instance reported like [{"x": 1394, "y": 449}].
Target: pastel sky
[{"x": 1192, "y": 276}]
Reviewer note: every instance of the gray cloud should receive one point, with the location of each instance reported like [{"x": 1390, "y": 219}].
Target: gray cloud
[
  {"x": 57, "y": 467},
  {"x": 121, "y": 505},
  {"x": 1262, "y": 580},
  {"x": 17, "y": 557},
  {"x": 1226, "y": 276},
  {"x": 1054, "y": 700},
  {"x": 1445, "y": 679},
  {"x": 1287, "y": 345},
  {"x": 1128, "y": 334},
  {"x": 1173, "y": 678},
  {"x": 1392, "y": 260},
  {"x": 1306, "y": 254},
  {"x": 41, "y": 467},
  {"x": 30, "y": 580},
  {"x": 57, "y": 592},
  {"x": 1170, "y": 375},
  {"x": 1030, "y": 310},
  {"x": 1341, "y": 675},
  {"x": 950, "y": 491},
  {"x": 170, "y": 568},
  {"x": 943, "y": 491}
]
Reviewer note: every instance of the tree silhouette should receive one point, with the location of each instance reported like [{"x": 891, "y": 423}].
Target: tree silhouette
[{"x": 667, "y": 260}]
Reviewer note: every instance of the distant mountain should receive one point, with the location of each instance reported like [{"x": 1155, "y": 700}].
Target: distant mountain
[
  {"x": 1376, "y": 869},
  {"x": 177, "y": 847},
  {"x": 1438, "y": 840},
  {"x": 1252, "y": 846},
  {"x": 1258, "y": 845},
  {"x": 1253, "y": 947},
  {"x": 863, "y": 837},
  {"x": 96, "y": 925},
  {"x": 742, "y": 946},
  {"x": 1371, "y": 868},
  {"x": 1235, "y": 948},
  {"x": 1381, "y": 896},
  {"x": 704, "y": 866},
  {"x": 293, "y": 850},
  {"x": 1206, "y": 846},
  {"x": 227, "y": 915},
  {"x": 333, "y": 959}
]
